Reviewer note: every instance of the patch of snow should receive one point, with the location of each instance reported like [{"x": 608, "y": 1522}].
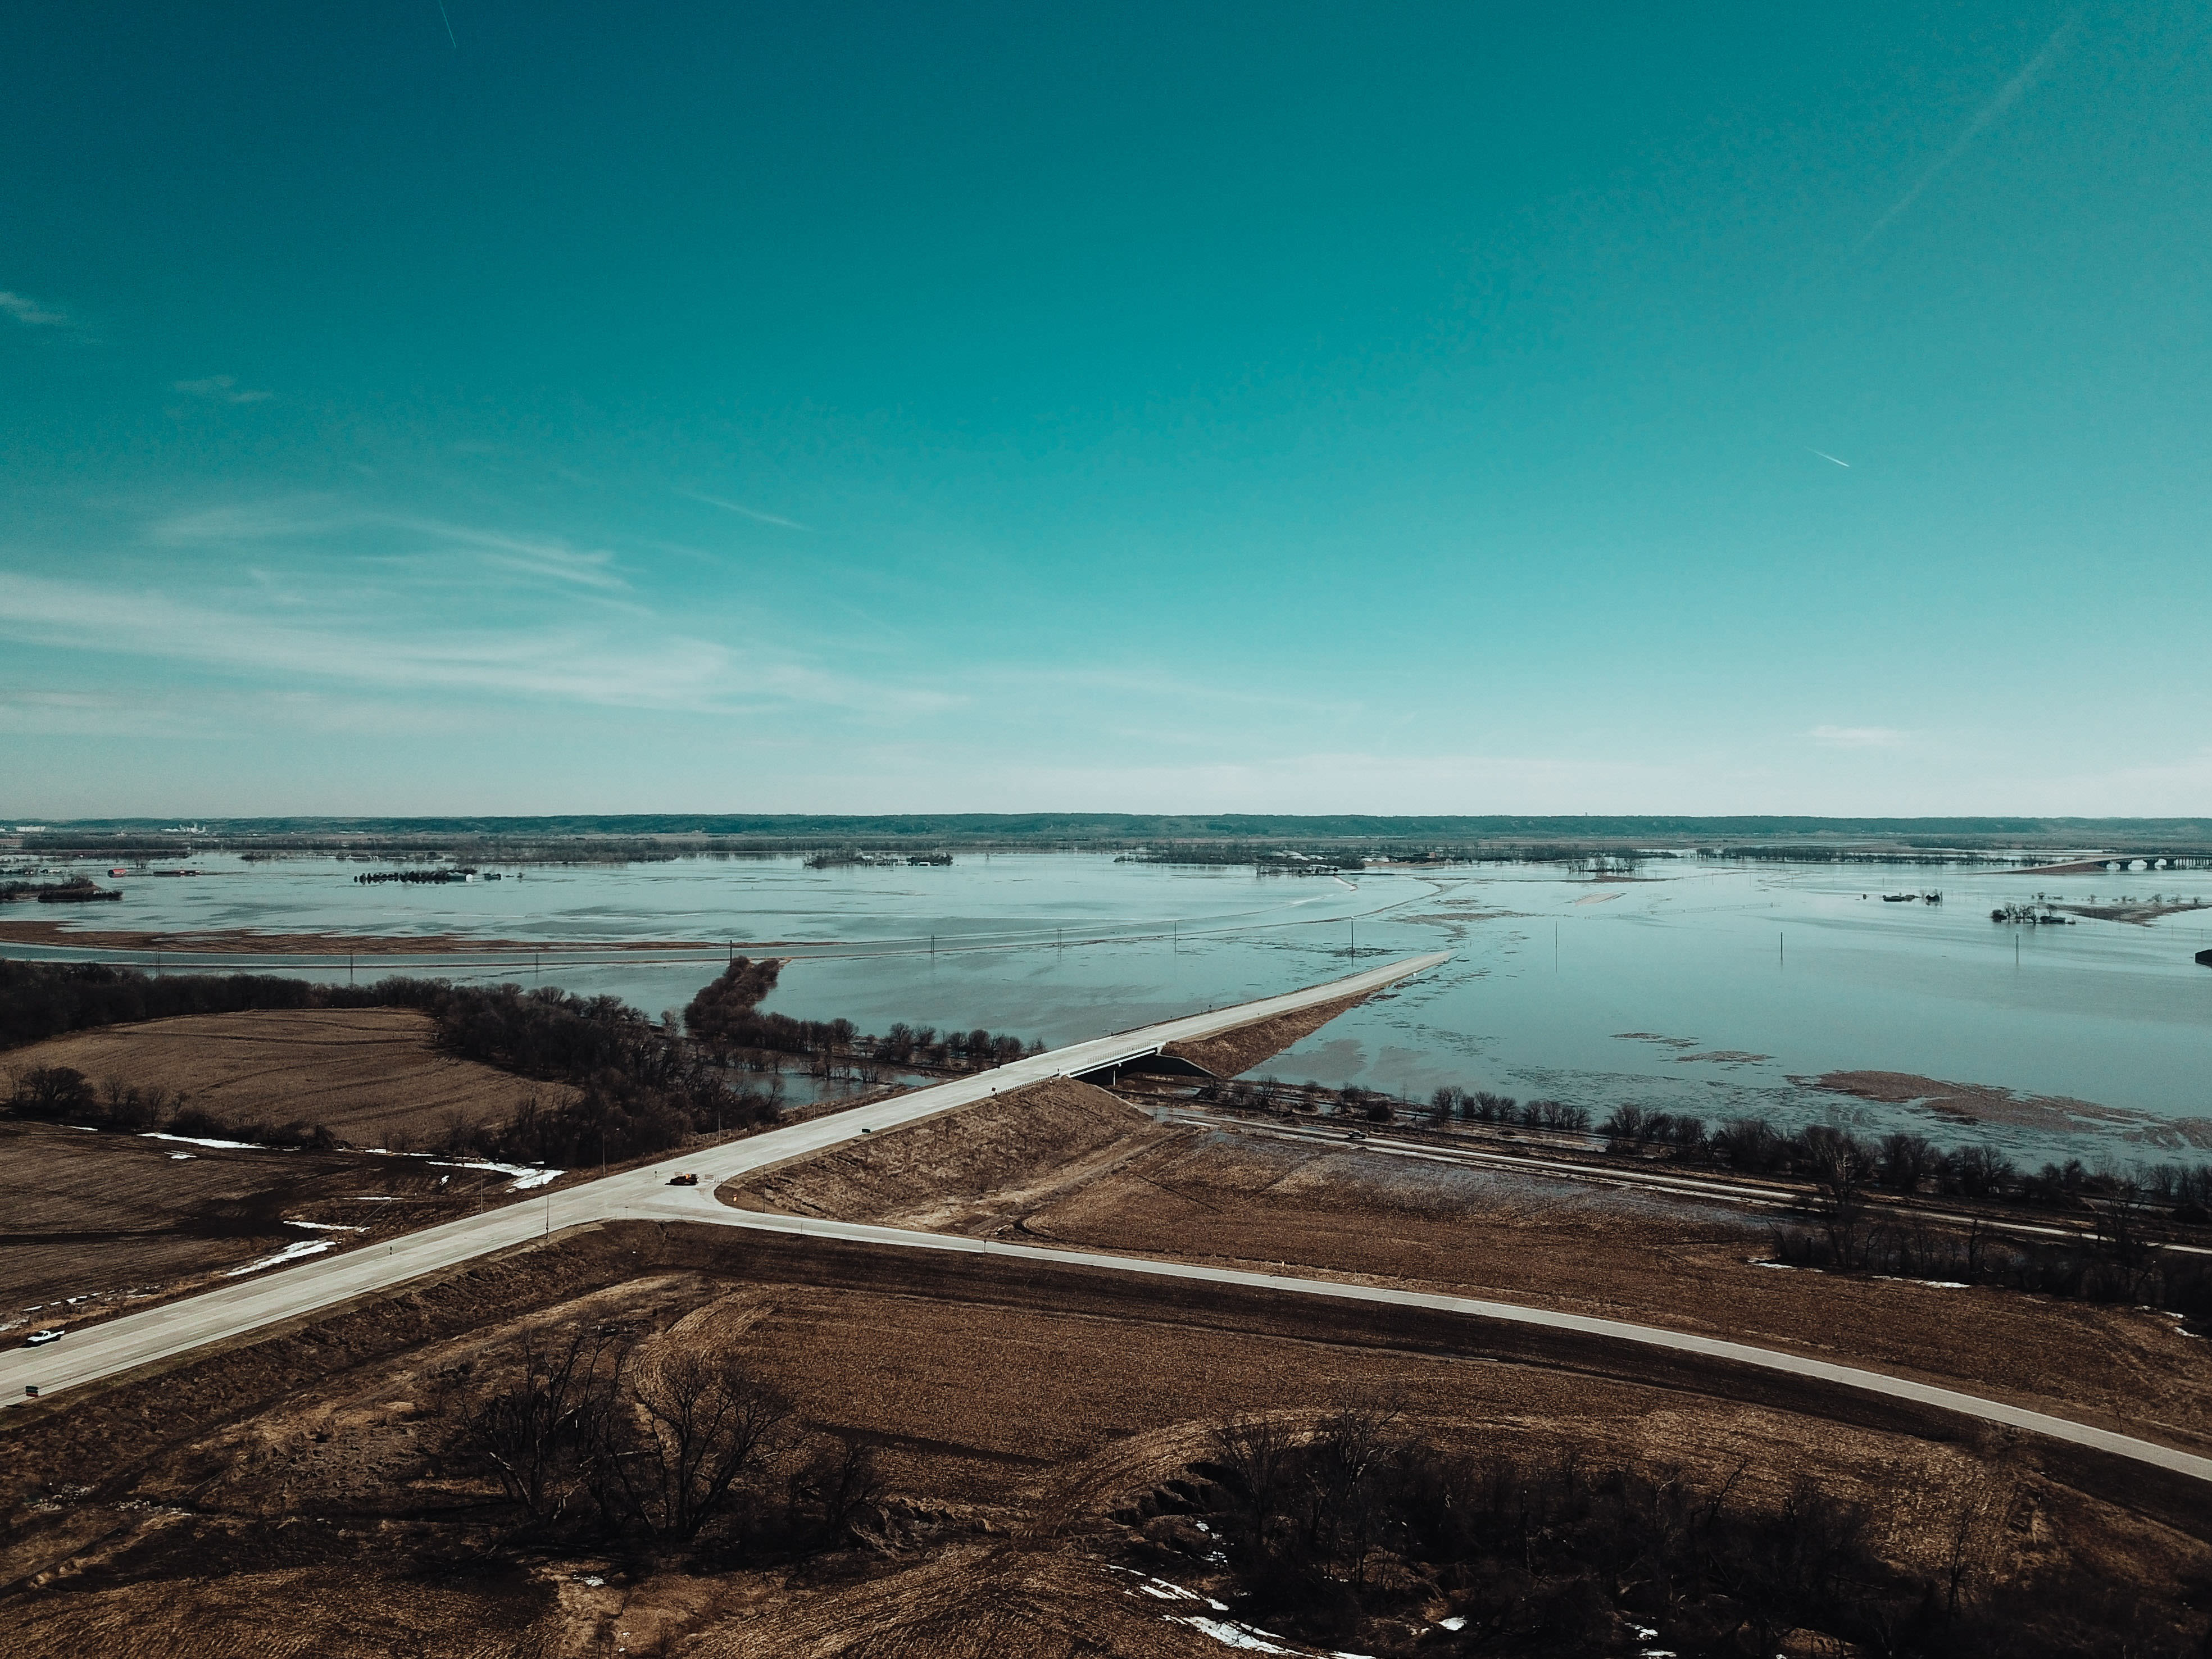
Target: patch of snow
[
  {"x": 591, "y": 1579},
  {"x": 223, "y": 1146},
  {"x": 183, "y": 1157},
  {"x": 374, "y": 1198},
  {"x": 1784, "y": 1266},
  {"x": 1454, "y": 1623},
  {"x": 86, "y": 1128},
  {"x": 525, "y": 1176},
  {"x": 327, "y": 1226},
  {"x": 1234, "y": 1636},
  {"x": 1169, "y": 1591},
  {"x": 291, "y": 1252}
]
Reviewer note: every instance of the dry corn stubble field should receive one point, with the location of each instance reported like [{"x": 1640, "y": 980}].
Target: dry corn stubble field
[
  {"x": 306, "y": 1495},
  {"x": 1074, "y": 1165},
  {"x": 367, "y": 1074},
  {"x": 113, "y": 1219},
  {"x": 116, "y": 1220}
]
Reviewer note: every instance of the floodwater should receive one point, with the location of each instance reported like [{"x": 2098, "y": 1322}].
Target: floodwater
[{"x": 1706, "y": 987}]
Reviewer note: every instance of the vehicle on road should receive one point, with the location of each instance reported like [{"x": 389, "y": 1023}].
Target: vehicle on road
[
  {"x": 39, "y": 1339},
  {"x": 684, "y": 1180}
]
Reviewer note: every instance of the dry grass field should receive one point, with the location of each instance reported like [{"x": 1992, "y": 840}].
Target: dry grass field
[
  {"x": 307, "y": 1494},
  {"x": 369, "y": 1074},
  {"x": 1088, "y": 1171},
  {"x": 115, "y": 1220}
]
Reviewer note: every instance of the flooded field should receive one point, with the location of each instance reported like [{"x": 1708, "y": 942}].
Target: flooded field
[{"x": 1717, "y": 989}]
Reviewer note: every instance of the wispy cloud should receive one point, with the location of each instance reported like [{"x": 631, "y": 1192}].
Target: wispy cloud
[
  {"x": 293, "y": 517},
  {"x": 528, "y": 556},
  {"x": 32, "y": 313},
  {"x": 650, "y": 668},
  {"x": 754, "y": 513},
  {"x": 317, "y": 518},
  {"x": 223, "y": 389},
  {"x": 2008, "y": 95},
  {"x": 1859, "y": 737}
]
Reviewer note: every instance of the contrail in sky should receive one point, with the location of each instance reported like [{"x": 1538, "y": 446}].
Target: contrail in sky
[
  {"x": 745, "y": 512},
  {"x": 448, "y": 22},
  {"x": 1825, "y": 455},
  {"x": 2009, "y": 95}
]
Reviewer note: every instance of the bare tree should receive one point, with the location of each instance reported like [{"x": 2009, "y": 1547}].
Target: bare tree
[
  {"x": 843, "y": 1484},
  {"x": 1907, "y": 1160},
  {"x": 1258, "y": 1452},
  {"x": 541, "y": 1438},
  {"x": 685, "y": 1432},
  {"x": 1345, "y": 1468},
  {"x": 1840, "y": 1164},
  {"x": 1962, "y": 1544}
]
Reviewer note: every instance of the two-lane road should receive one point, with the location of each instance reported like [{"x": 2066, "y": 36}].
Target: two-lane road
[{"x": 119, "y": 1345}]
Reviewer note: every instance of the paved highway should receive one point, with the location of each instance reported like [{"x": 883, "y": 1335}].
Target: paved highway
[{"x": 120, "y": 1345}]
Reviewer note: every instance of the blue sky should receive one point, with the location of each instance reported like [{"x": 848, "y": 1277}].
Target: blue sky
[{"x": 1268, "y": 408}]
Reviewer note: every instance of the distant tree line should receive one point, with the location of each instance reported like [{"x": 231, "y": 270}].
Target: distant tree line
[
  {"x": 77, "y": 889},
  {"x": 1362, "y": 1517},
  {"x": 640, "y": 1087},
  {"x": 62, "y": 1094},
  {"x": 726, "y": 1018},
  {"x": 39, "y": 999},
  {"x": 1377, "y": 1106},
  {"x": 1906, "y": 1162}
]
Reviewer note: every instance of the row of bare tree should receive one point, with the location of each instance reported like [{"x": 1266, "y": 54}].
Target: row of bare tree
[
  {"x": 1340, "y": 1530},
  {"x": 597, "y": 1439}
]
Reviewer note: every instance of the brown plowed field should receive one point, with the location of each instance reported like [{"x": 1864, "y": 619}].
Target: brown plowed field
[
  {"x": 305, "y": 1494},
  {"x": 1198, "y": 1195},
  {"x": 366, "y": 1073},
  {"x": 117, "y": 1219}
]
